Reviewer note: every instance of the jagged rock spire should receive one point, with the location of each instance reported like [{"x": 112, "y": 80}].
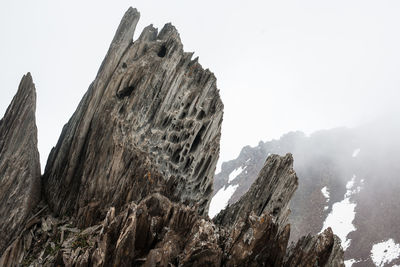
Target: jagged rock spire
[
  {"x": 151, "y": 120},
  {"x": 19, "y": 162},
  {"x": 269, "y": 194}
]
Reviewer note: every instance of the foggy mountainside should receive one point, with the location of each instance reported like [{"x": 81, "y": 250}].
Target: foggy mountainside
[
  {"x": 348, "y": 180},
  {"x": 130, "y": 180}
]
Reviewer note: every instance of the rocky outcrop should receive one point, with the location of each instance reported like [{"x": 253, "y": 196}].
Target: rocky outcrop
[
  {"x": 155, "y": 232},
  {"x": 130, "y": 180},
  {"x": 151, "y": 111},
  {"x": 269, "y": 194},
  {"x": 322, "y": 250},
  {"x": 261, "y": 215},
  {"x": 159, "y": 232},
  {"x": 19, "y": 162}
]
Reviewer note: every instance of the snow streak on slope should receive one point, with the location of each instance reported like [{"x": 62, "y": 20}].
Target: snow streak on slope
[
  {"x": 385, "y": 252},
  {"x": 342, "y": 215},
  {"x": 341, "y": 220},
  {"x": 220, "y": 200},
  {"x": 325, "y": 192},
  {"x": 349, "y": 263},
  {"x": 235, "y": 173}
]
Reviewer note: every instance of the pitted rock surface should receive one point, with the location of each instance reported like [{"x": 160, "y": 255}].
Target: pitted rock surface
[{"x": 149, "y": 96}]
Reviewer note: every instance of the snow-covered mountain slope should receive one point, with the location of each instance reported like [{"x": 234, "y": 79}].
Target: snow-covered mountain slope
[{"x": 348, "y": 180}]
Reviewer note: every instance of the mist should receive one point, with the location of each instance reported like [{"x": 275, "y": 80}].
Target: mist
[
  {"x": 348, "y": 179},
  {"x": 281, "y": 66},
  {"x": 318, "y": 79}
]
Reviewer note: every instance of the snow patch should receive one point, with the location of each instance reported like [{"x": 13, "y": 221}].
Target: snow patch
[
  {"x": 235, "y": 173},
  {"x": 350, "y": 183},
  {"x": 340, "y": 219},
  {"x": 220, "y": 200},
  {"x": 350, "y": 187},
  {"x": 349, "y": 263},
  {"x": 325, "y": 192},
  {"x": 355, "y": 152},
  {"x": 385, "y": 252}
]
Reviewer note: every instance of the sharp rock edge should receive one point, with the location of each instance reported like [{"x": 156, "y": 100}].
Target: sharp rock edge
[{"x": 19, "y": 162}]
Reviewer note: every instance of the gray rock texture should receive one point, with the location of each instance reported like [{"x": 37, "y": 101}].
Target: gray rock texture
[
  {"x": 150, "y": 98},
  {"x": 322, "y": 250},
  {"x": 19, "y": 162},
  {"x": 159, "y": 232},
  {"x": 269, "y": 194}
]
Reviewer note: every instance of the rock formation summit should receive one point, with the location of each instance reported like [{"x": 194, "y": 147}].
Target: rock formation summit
[
  {"x": 19, "y": 162},
  {"x": 130, "y": 179},
  {"x": 149, "y": 96}
]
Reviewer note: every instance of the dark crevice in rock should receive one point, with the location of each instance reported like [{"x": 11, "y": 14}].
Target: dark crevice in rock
[
  {"x": 176, "y": 156},
  {"x": 125, "y": 92},
  {"x": 201, "y": 115},
  {"x": 163, "y": 51},
  {"x": 263, "y": 205},
  {"x": 205, "y": 168},
  {"x": 197, "y": 139}
]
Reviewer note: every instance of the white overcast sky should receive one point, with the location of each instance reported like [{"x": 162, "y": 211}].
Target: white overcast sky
[{"x": 281, "y": 65}]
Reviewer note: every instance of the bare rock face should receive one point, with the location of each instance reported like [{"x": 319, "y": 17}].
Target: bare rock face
[
  {"x": 270, "y": 193},
  {"x": 159, "y": 232},
  {"x": 155, "y": 232},
  {"x": 323, "y": 250},
  {"x": 19, "y": 162},
  {"x": 261, "y": 215},
  {"x": 148, "y": 97}
]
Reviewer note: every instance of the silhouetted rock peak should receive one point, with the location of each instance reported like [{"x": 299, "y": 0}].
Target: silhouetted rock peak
[{"x": 19, "y": 162}]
